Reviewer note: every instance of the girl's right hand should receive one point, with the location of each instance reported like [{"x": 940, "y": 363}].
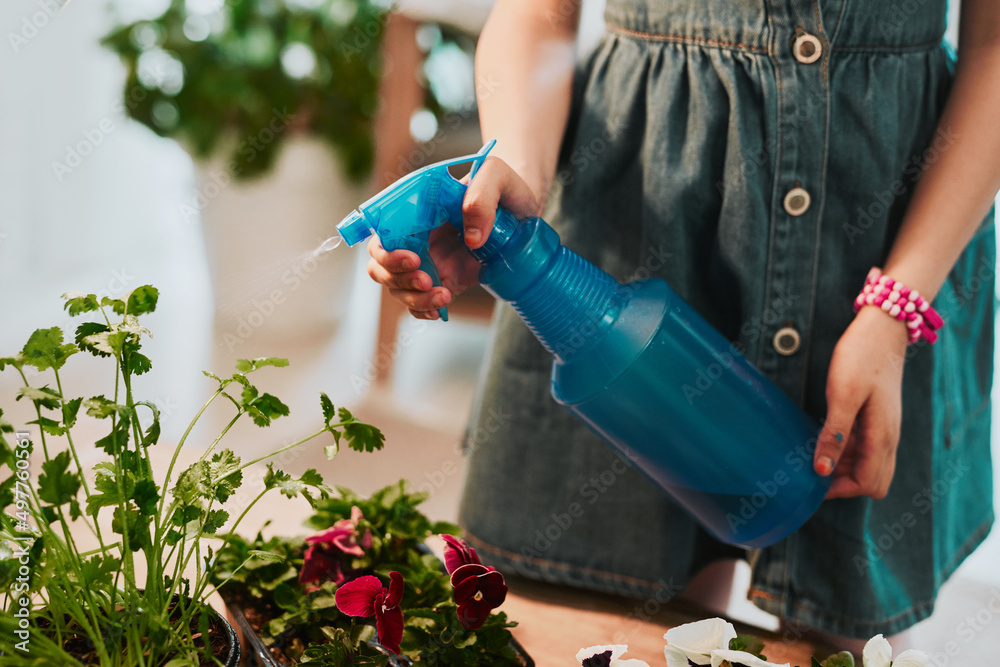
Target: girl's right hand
[{"x": 496, "y": 184}]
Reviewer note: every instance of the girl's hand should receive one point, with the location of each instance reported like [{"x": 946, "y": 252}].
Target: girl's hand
[
  {"x": 495, "y": 184},
  {"x": 864, "y": 407}
]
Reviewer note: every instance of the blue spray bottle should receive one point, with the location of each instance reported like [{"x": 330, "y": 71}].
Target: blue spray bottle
[{"x": 737, "y": 456}]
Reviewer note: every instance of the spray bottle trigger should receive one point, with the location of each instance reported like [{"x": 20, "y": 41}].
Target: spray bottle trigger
[
  {"x": 422, "y": 248},
  {"x": 427, "y": 265}
]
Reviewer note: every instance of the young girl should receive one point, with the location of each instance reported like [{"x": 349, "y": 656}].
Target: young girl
[{"x": 761, "y": 156}]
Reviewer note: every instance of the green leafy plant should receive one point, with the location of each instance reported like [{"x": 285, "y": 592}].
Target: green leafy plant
[
  {"x": 293, "y": 607},
  {"x": 67, "y": 605},
  {"x": 251, "y": 72}
]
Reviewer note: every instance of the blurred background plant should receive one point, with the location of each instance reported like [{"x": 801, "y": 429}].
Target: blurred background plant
[{"x": 207, "y": 70}]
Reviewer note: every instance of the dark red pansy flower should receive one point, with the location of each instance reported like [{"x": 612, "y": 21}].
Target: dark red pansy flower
[
  {"x": 344, "y": 535},
  {"x": 322, "y": 559},
  {"x": 457, "y": 553},
  {"x": 320, "y": 564},
  {"x": 365, "y": 596},
  {"x": 478, "y": 591}
]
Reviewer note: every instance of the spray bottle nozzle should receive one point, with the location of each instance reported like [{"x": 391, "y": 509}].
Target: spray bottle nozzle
[
  {"x": 404, "y": 214},
  {"x": 353, "y": 229}
]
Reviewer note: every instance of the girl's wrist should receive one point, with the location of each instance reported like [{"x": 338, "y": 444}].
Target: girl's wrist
[
  {"x": 879, "y": 326},
  {"x": 901, "y": 303}
]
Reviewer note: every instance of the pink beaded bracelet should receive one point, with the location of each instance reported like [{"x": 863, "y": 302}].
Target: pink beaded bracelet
[{"x": 902, "y": 303}]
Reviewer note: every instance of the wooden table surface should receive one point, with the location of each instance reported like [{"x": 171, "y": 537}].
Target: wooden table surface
[{"x": 554, "y": 622}]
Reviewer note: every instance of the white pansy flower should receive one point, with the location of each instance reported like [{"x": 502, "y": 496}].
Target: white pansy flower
[
  {"x": 695, "y": 642},
  {"x": 617, "y": 651},
  {"x": 912, "y": 658},
  {"x": 741, "y": 658},
  {"x": 878, "y": 653}
]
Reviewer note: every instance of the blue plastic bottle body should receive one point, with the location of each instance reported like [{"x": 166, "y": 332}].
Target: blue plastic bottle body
[
  {"x": 661, "y": 385},
  {"x": 694, "y": 415}
]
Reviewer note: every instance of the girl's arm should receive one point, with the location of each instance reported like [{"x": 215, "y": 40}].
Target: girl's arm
[
  {"x": 949, "y": 203},
  {"x": 955, "y": 192},
  {"x": 524, "y": 74}
]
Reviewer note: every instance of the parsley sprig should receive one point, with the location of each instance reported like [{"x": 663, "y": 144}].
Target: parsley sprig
[{"x": 130, "y": 599}]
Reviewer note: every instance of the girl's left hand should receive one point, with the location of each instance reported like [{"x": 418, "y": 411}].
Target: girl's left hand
[{"x": 864, "y": 407}]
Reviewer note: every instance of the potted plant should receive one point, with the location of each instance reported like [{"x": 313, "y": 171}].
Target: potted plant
[
  {"x": 97, "y": 568},
  {"x": 363, "y": 590},
  {"x": 275, "y": 101}
]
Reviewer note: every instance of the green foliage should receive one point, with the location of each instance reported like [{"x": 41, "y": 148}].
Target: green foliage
[
  {"x": 360, "y": 437},
  {"x": 45, "y": 349},
  {"x": 223, "y": 84},
  {"x": 842, "y": 659},
  {"x": 291, "y": 487},
  {"x": 432, "y": 632},
  {"x": 97, "y": 594}
]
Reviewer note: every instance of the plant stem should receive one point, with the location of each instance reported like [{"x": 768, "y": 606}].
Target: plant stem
[
  {"x": 208, "y": 450},
  {"x": 225, "y": 542},
  {"x": 285, "y": 448},
  {"x": 180, "y": 443}
]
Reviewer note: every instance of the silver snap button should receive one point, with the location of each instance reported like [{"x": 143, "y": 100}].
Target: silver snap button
[
  {"x": 787, "y": 341},
  {"x": 797, "y": 201},
  {"x": 807, "y": 48}
]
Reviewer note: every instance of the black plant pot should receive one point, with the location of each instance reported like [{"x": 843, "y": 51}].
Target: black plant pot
[
  {"x": 233, "y": 649},
  {"x": 257, "y": 653},
  {"x": 233, "y": 640},
  {"x": 231, "y": 656}
]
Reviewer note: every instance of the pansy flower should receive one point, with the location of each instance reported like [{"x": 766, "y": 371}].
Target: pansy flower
[
  {"x": 478, "y": 591},
  {"x": 365, "y": 596},
  {"x": 878, "y": 653},
  {"x": 457, "y": 553},
  {"x": 320, "y": 564},
  {"x": 322, "y": 559},
  {"x": 693, "y": 643},
  {"x": 607, "y": 656},
  {"x": 742, "y": 658}
]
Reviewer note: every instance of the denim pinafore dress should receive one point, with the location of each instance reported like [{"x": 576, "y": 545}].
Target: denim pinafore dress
[{"x": 758, "y": 155}]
